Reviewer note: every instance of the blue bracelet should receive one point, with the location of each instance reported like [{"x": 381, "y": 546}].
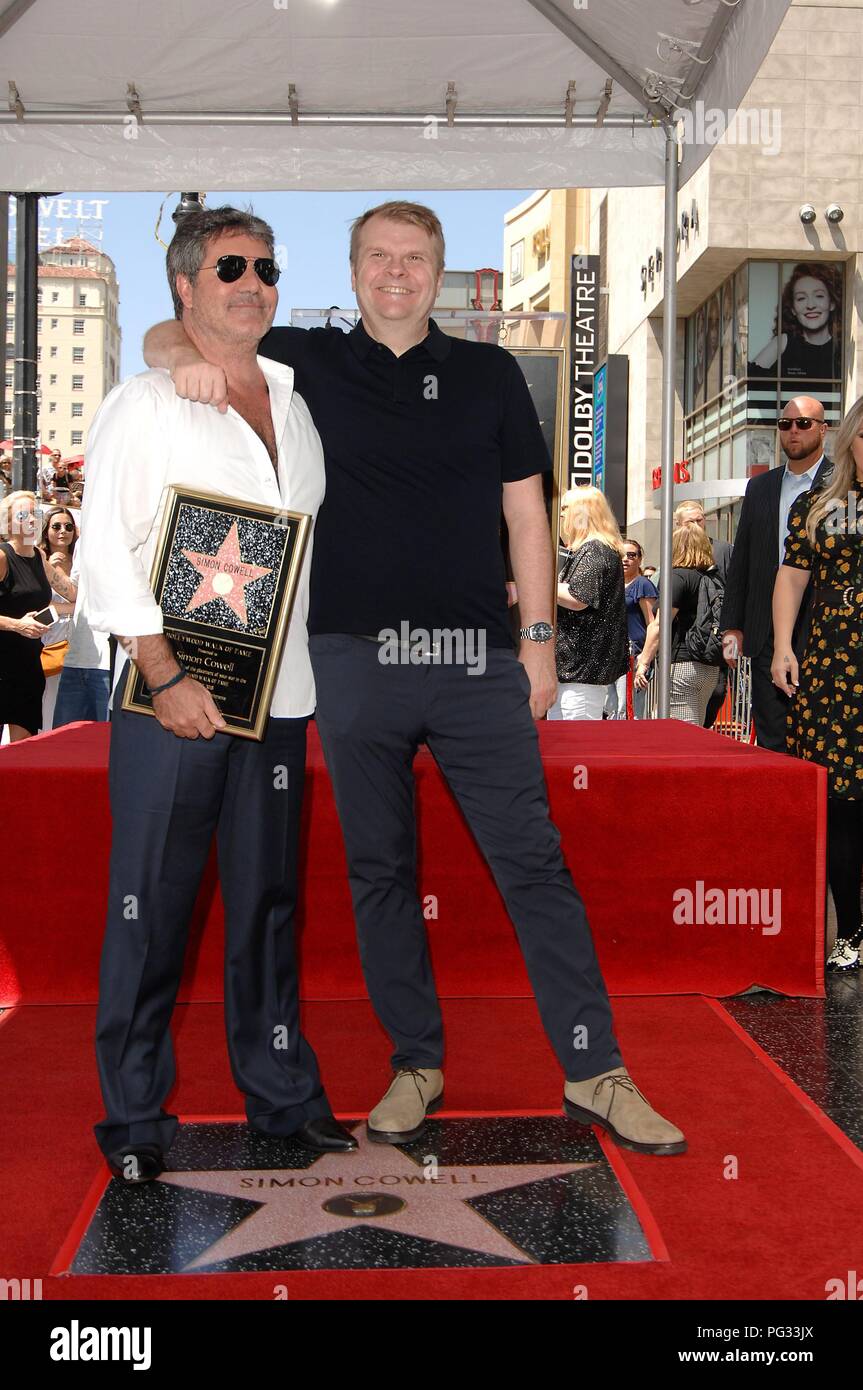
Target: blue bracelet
[{"x": 175, "y": 680}]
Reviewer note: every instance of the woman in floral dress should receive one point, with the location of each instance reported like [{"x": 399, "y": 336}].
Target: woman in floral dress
[{"x": 825, "y": 548}]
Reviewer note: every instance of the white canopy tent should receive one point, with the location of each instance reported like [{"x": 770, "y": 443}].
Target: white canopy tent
[{"x": 125, "y": 95}]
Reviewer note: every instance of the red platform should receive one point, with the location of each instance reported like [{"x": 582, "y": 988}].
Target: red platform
[{"x": 665, "y": 806}]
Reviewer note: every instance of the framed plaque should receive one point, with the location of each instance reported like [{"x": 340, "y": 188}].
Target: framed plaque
[{"x": 225, "y": 575}]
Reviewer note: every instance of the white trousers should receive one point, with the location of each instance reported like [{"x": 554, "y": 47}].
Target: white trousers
[{"x": 576, "y": 701}]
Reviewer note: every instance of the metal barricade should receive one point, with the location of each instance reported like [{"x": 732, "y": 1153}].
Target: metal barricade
[{"x": 734, "y": 719}]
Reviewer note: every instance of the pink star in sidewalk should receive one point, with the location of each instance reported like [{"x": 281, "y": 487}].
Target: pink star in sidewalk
[{"x": 224, "y": 575}]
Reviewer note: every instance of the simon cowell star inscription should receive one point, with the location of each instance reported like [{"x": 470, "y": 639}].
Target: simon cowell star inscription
[{"x": 225, "y": 575}]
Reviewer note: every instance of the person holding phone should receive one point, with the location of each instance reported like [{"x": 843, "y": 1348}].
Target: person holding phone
[
  {"x": 24, "y": 590},
  {"x": 824, "y": 549}
]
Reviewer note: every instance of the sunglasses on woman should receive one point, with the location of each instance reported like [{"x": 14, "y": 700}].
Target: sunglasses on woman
[
  {"x": 231, "y": 268},
  {"x": 62, "y": 526}
]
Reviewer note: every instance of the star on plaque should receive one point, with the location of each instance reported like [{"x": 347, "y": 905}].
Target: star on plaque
[
  {"x": 224, "y": 576},
  {"x": 472, "y": 1192},
  {"x": 375, "y": 1186}
]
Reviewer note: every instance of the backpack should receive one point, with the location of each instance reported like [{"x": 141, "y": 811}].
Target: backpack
[{"x": 703, "y": 641}]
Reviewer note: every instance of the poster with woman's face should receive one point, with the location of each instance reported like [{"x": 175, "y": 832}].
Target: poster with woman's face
[
  {"x": 811, "y": 321},
  {"x": 796, "y": 322}
]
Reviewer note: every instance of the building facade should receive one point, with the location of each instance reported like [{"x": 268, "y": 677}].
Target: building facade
[
  {"x": 768, "y": 302},
  {"x": 78, "y": 341}
]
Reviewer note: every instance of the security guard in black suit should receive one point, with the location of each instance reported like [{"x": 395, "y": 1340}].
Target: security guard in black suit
[{"x": 747, "y": 609}]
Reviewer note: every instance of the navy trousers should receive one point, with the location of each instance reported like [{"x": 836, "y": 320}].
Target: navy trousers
[
  {"x": 372, "y": 717},
  {"x": 168, "y": 797}
]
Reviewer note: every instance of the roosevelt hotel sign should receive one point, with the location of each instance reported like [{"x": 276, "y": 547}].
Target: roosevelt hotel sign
[{"x": 61, "y": 218}]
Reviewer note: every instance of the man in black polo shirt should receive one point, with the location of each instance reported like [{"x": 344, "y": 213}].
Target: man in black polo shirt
[{"x": 428, "y": 440}]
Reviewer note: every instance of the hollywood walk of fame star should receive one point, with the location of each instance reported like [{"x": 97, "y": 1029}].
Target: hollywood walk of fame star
[
  {"x": 432, "y": 1208},
  {"x": 224, "y": 575}
]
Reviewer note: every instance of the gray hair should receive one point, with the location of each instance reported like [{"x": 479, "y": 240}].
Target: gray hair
[{"x": 194, "y": 232}]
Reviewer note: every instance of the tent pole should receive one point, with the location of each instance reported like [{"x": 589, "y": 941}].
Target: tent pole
[
  {"x": 25, "y": 410},
  {"x": 669, "y": 374}
]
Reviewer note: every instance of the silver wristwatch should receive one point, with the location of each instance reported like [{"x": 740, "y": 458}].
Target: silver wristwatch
[{"x": 537, "y": 632}]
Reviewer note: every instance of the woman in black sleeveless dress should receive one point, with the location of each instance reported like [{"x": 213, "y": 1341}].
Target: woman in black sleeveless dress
[{"x": 24, "y": 590}]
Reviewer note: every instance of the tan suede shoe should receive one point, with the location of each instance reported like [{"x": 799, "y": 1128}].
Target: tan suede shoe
[
  {"x": 614, "y": 1101},
  {"x": 401, "y": 1115}
]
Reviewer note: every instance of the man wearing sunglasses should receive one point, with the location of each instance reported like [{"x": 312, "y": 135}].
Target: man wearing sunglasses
[
  {"x": 759, "y": 548},
  {"x": 428, "y": 441},
  {"x": 178, "y": 779}
]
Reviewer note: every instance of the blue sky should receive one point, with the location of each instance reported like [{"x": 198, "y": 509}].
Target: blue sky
[{"x": 313, "y": 228}]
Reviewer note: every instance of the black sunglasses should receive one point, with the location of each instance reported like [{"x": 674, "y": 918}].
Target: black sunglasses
[
  {"x": 62, "y": 526},
  {"x": 231, "y": 268},
  {"x": 802, "y": 422}
]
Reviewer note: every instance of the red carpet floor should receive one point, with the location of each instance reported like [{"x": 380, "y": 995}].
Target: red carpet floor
[
  {"x": 699, "y": 809},
  {"x": 773, "y": 1232}
]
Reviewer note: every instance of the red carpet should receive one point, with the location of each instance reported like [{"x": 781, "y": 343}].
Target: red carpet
[
  {"x": 773, "y": 1232},
  {"x": 665, "y": 807}
]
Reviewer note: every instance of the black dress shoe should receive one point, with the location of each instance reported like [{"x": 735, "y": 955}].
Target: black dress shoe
[
  {"x": 137, "y": 1163},
  {"x": 326, "y": 1135}
]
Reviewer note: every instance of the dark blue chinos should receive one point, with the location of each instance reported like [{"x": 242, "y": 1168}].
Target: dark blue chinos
[
  {"x": 417, "y": 448},
  {"x": 169, "y": 796}
]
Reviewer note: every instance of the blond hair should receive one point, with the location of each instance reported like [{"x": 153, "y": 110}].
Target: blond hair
[
  {"x": 415, "y": 214},
  {"x": 691, "y": 548},
  {"x": 588, "y": 517},
  {"x": 834, "y": 497},
  {"x": 6, "y": 505},
  {"x": 684, "y": 509}
]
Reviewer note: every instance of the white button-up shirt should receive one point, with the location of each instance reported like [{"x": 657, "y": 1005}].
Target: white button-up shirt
[{"x": 145, "y": 437}]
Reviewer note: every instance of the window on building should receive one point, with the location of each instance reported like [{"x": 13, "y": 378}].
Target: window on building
[
  {"x": 39, "y": 295},
  {"x": 77, "y": 438},
  {"x": 10, "y": 326},
  {"x": 54, "y": 323},
  {"x": 82, "y": 299},
  {"x": 53, "y": 352},
  {"x": 38, "y": 325},
  {"x": 52, "y": 407},
  {"x": 10, "y": 351},
  {"x": 10, "y": 296},
  {"x": 77, "y": 354},
  {"x": 77, "y": 325},
  {"x": 516, "y": 262},
  {"x": 52, "y": 380},
  {"x": 77, "y": 409},
  {"x": 9, "y": 382},
  {"x": 55, "y": 296},
  {"x": 77, "y": 383},
  {"x": 52, "y": 434},
  {"x": 38, "y": 354}
]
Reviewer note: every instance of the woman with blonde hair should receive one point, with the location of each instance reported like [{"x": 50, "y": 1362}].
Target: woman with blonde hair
[
  {"x": 825, "y": 546},
  {"x": 592, "y": 647},
  {"x": 692, "y": 681}
]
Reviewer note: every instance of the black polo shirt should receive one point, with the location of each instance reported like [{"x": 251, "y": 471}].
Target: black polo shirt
[{"x": 417, "y": 448}]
